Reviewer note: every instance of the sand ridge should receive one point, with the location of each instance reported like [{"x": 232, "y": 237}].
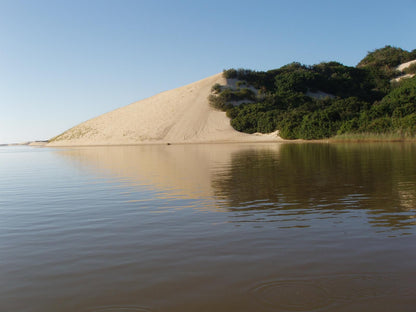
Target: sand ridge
[
  {"x": 181, "y": 115},
  {"x": 403, "y": 66}
]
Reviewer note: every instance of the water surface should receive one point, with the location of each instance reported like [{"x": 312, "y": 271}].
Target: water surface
[{"x": 238, "y": 227}]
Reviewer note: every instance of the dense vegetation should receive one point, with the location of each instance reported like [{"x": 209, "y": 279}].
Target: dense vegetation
[{"x": 323, "y": 100}]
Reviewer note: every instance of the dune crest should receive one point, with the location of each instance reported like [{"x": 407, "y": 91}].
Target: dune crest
[{"x": 181, "y": 115}]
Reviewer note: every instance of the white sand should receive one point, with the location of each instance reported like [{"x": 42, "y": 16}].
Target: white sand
[
  {"x": 403, "y": 66},
  {"x": 403, "y": 77},
  {"x": 182, "y": 115},
  {"x": 319, "y": 95}
]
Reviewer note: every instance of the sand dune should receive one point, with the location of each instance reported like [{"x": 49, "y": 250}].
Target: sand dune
[
  {"x": 182, "y": 115},
  {"x": 403, "y": 66},
  {"x": 402, "y": 77}
]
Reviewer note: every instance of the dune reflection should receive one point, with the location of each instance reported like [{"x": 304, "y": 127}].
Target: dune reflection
[
  {"x": 273, "y": 182},
  {"x": 183, "y": 170}
]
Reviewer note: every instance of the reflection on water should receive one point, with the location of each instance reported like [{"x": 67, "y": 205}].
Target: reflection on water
[
  {"x": 379, "y": 179},
  {"x": 119, "y": 309},
  {"x": 275, "y": 183},
  {"x": 186, "y": 170},
  {"x": 239, "y": 227}
]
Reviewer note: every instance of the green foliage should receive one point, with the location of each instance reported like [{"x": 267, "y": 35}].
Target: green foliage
[
  {"x": 379, "y": 125},
  {"x": 216, "y": 88},
  {"x": 407, "y": 124},
  {"x": 381, "y": 79},
  {"x": 349, "y": 126},
  {"x": 387, "y": 57},
  {"x": 290, "y": 124},
  {"x": 403, "y": 95},
  {"x": 230, "y": 73},
  {"x": 332, "y": 78},
  {"x": 362, "y": 98},
  {"x": 217, "y": 102},
  {"x": 222, "y": 97},
  {"x": 382, "y": 63},
  {"x": 240, "y": 74},
  {"x": 251, "y": 118},
  {"x": 241, "y": 83}
]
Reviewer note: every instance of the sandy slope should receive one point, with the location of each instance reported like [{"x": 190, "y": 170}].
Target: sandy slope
[
  {"x": 182, "y": 115},
  {"x": 403, "y": 77},
  {"x": 403, "y": 66}
]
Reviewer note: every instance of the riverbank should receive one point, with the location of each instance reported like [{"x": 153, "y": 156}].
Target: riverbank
[{"x": 372, "y": 137}]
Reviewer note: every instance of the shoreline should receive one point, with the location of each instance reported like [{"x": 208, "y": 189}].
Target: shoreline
[{"x": 280, "y": 141}]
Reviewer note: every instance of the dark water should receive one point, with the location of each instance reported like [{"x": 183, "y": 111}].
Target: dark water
[{"x": 291, "y": 227}]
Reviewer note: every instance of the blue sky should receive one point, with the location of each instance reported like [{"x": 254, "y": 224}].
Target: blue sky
[{"x": 63, "y": 62}]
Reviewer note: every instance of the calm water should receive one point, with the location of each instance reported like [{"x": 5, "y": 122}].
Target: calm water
[{"x": 290, "y": 227}]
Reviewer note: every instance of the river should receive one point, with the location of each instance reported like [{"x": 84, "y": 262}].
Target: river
[{"x": 208, "y": 227}]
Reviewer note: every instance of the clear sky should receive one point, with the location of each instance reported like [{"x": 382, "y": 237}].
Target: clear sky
[{"x": 63, "y": 62}]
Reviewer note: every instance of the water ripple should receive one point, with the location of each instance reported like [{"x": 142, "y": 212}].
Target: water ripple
[
  {"x": 291, "y": 295},
  {"x": 317, "y": 294},
  {"x": 117, "y": 308}
]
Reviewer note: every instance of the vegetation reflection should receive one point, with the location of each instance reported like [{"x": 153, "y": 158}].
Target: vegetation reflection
[{"x": 379, "y": 179}]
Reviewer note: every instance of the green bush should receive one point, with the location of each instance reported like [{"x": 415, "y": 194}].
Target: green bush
[
  {"x": 229, "y": 73},
  {"x": 216, "y": 88},
  {"x": 408, "y": 124},
  {"x": 387, "y": 57},
  {"x": 380, "y": 125},
  {"x": 402, "y": 95},
  {"x": 241, "y": 83},
  {"x": 349, "y": 126},
  {"x": 363, "y": 101},
  {"x": 217, "y": 102},
  {"x": 290, "y": 124}
]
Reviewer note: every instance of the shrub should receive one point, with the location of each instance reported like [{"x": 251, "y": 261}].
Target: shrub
[
  {"x": 387, "y": 57},
  {"x": 229, "y": 73},
  {"x": 216, "y": 88},
  {"x": 380, "y": 125},
  {"x": 364, "y": 99},
  {"x": 349, "y": 126},
  {"x": 408, "y": 124},
  {"x": 290, "y": 124},
  {"x": 217, "y": 102},
  {"x": 241, "y": 83}
]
